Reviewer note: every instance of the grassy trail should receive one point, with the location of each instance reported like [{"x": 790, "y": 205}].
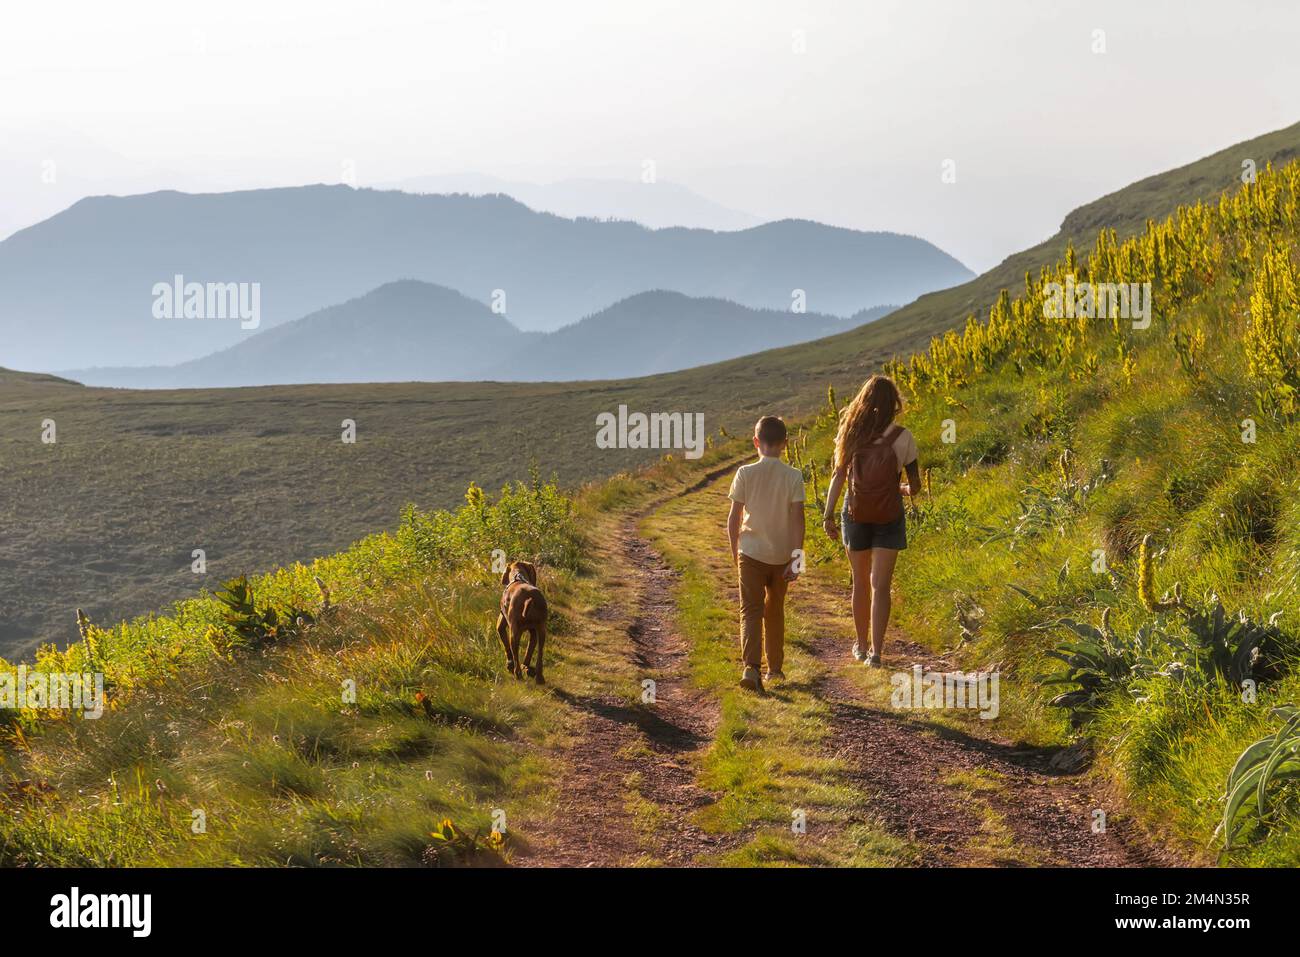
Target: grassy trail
[
  {"x": 629, "y": 793},
  {"x": 821, "y": 770}
]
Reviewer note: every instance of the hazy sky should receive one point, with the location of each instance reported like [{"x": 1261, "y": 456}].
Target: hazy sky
[{"x": 838, "y": 111}]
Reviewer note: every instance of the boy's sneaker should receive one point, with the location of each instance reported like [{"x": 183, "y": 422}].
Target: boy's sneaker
[
  {"x": 751, "y": 681},
  {"x": 774, "y": 676},
  {"x": 857, "y": 653}
]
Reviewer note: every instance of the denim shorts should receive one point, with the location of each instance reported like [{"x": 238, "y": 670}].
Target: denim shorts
[{"x": 860, "y": 536}]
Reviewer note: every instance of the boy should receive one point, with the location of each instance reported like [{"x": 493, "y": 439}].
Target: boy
[{"x": 766, "y": 529}]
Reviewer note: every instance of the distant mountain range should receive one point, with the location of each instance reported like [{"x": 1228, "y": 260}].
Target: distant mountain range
[
  {"x": 416, "y": 331},
  {"x": 657, "y": 205},
  {"x": 662, "y": 331},
  {"x": 78, "y": 288}
]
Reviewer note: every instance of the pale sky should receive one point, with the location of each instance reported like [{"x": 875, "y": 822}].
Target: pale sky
[{"x": 843, "y": 112}]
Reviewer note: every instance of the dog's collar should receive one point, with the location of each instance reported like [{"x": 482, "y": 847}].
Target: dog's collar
[{"x": 517, "y": 577}]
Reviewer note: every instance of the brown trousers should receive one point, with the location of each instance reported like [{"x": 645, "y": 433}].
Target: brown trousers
[{"x": 762, "y": 613}]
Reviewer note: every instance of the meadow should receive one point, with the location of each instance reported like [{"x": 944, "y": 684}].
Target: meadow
[
  {"x": 107, "y": 518},
  {"x": 346, "y": 712},
  {"x": 1112, "y": 513}
]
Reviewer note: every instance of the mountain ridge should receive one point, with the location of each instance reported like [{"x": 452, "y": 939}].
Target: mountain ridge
[
  {"x": 663, "y": 203},
  {"x": 411, "y": 331},
  {"x": 83, "y": 277}
]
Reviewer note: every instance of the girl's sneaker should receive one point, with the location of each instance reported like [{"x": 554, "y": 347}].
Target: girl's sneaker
[
  {"x": 857, "y": 653},
  {"x": 872, "y": 660}
]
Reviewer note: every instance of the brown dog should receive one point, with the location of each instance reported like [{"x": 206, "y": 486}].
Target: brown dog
[{"x": 523, "y": 608}]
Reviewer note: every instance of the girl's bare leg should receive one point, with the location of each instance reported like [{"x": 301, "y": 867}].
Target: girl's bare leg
[
  {"x": 861, "y": 565},
  {"x": 882, "y": 574}
]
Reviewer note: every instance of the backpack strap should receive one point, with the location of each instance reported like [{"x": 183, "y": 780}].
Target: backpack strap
[
  {"x": 886, "y": 436},
  {"x": 890, "y": 434}
]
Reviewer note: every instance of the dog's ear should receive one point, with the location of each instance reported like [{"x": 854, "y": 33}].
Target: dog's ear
[
  {"x": 530, "y": 571},
  {"x": 505, "y": 575}
]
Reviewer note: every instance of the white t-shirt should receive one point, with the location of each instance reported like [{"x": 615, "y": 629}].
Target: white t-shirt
[
  {"x": 905, "y": 448},
  {"x": 767, "y": 488}
]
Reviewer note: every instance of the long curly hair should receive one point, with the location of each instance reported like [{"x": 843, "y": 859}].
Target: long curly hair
[{"x": 872, "y": 411}]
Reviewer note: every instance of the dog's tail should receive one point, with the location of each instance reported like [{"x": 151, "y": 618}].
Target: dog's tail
[{"x": 528, "y": 608}]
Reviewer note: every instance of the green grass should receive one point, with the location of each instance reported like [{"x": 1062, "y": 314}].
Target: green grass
[
  {"x": 1215, "y": 509},
  {"x": 267, "y": 745},
  {"x": 347, "y": 743},
  {"x": 1155, "y": 449}
]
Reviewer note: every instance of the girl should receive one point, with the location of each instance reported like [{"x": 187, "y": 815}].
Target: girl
[{"x": 866, "y": 430}]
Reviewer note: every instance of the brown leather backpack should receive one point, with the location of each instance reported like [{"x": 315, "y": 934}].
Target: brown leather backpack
[{"x": 874, "y": 496}]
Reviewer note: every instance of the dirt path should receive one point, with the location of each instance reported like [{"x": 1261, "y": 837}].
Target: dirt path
[
  {"x": 629, "y": 792},
  {"x": 961, "y": 799}
]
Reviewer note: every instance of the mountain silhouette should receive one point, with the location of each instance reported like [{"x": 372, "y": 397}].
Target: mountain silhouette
[
  {"x": 79, "y": 286},
  {"x": 409, "y": 330},
  {"x": 657, "y": 205},
  {"x": 663, "y": 331}
]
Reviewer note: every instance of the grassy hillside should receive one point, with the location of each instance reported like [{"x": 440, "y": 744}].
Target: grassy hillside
[
  {"x": 260, "y": 478},
  {"x": 372, "y": 724},
  {"x": 411, "y": 331},
  {"x": 344, "y": 734},
  {"x": 108, "y": 516},
  {"x": 1117, "y": 500},
  {"x": 13, "y": 379},
  {"x": 1126, "y": 211}
]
